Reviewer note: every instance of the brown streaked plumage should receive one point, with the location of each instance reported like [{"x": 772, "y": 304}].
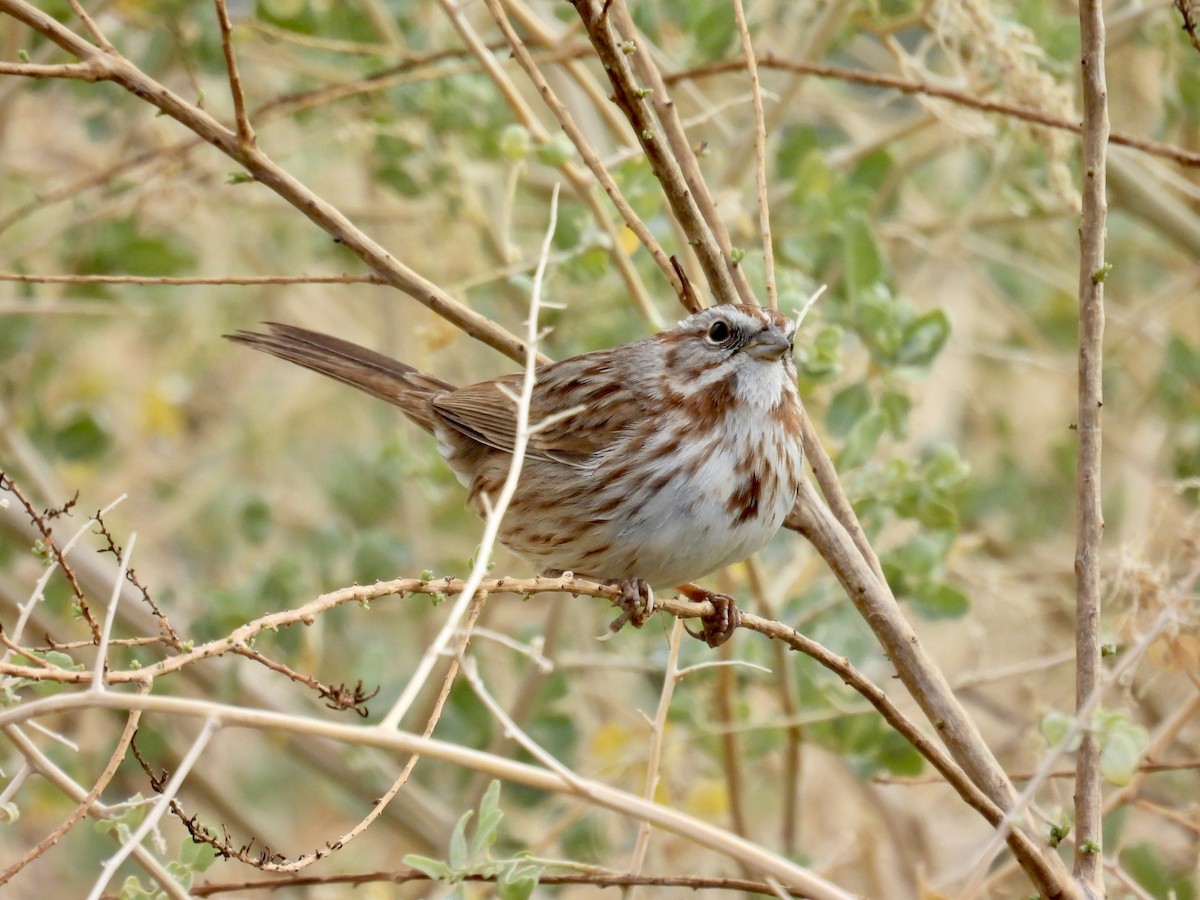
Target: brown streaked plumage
[{"x": 684, "y": 458}]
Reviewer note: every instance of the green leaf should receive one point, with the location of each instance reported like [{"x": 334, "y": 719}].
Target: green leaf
[
  {"x": 860, "y": 443},
  {"x": 434, "y": 868},
  {"x": 256, "y": 520},
  {"x": 1122, "y": 744},
  {"x": 458, "y": 858},
  {"x": 863, "y": 258},
  {"x": 517, "y": 881},
  {"x": 895, "y": 408},
  {"x": 923, "y": 339},
  {"x": 488, "y": 824},
  {"x": 1055, "y": 726},
  {"x": 558, "y": 151},
  {"x": 82, "y": 437},
  {"x": 846, "y": 408},
  {"x": 940, "y": 601},
  {"x": 714, "y": 33},
  {"x": 516, "y": 142}
]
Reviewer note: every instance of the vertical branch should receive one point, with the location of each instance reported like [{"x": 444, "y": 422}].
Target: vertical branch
[
  {"x": 760, "y": 156},
  {"x": 1090, "y": 521},
  {"x": 245, "y": 132},
  {"x": 658, "y": 732}
]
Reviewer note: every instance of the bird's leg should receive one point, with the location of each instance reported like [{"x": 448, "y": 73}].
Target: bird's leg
[
  {"x": 719, "y": 627},
  {"x": 636, "y": 601}
]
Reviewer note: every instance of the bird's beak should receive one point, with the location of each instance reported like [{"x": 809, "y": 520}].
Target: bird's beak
[{"x": 768, "y": 345}]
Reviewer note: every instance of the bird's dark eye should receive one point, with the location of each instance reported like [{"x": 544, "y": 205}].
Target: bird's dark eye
[{"x": 718, "y": 332}]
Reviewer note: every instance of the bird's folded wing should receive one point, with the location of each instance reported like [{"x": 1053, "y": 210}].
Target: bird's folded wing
[{"x": 486, "y": 413}]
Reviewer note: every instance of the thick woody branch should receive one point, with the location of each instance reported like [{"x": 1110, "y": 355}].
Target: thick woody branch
[{"x": 920, "y": 675}]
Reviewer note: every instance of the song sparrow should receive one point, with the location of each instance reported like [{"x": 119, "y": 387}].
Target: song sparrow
[{"x": 684, "y": 458}]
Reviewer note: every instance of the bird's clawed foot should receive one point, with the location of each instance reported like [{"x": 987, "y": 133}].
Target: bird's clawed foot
[
  {"x": 636, "y": 601},
  {"x": 720, "y": 626}
]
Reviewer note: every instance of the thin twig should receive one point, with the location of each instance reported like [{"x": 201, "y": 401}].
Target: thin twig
[
  {"x": 922, "y": 677},
  {"x": 110, "y": 616},
  {"x": 1189, "y": 21},
  {"x": 46, "y": 767},
  {"x": 760, "y": 155},
  {"x": 574, "y": 175},
  {"x": 90, "y": 24},
  {"x": 403, "y": 876},
  {"x": 681, "y": 148},
  {"x": 245, "y": 131},
  {"x": 571, "y": 128},
  {"x": 84, "y": 806},
  {"x": 1180, "y": 155},
  {"x": 658, "y": 732},
  {"x": 1090, "y": 515},
  {"x": 21, "y": 278}
]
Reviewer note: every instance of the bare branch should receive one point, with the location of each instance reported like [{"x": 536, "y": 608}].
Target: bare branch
[
  {"x": 760, "y": 155},
  {"x": 1090, "y": 522},
  {"x": 245, "y": 131}
]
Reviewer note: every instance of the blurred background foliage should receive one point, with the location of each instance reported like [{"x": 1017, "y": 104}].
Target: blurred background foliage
[{"x": 939, "y": 364}]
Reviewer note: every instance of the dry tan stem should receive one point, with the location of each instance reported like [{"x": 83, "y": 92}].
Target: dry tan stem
[
  {"x": 183, "y": 281},
  {"x": 731, "y": 752},
  {"x": 645, "y": 69},
  {"x": 790, "y": 706},
  {"x": 631, "y": 99},
  {"x": 1189, "y": 21},
  {"x": 120, "y": 71},
  {"x": 560, "y": 112},
  {"x": 1090, "y": 515},
  {"x": 381, "y": 803},
  {"x": 760, "y": 155},
  {"x": 658, "y": 732},
  {"x": 908, "y": 86},
  {"x": 245, "y": 131},
  {"x": 90, "y": 25}
]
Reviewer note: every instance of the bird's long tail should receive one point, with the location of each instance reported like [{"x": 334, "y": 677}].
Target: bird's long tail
[{"x": 378, "y": 375}]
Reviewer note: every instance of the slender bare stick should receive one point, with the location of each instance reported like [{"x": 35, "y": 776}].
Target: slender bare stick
[
  {"x": 110, "y": 616},
  {"x": 46, "y": 767},
  {"x": 492, "y": 527},
  {"x": 1178, "y": 154},
  {"x": 760, "y": 155},
  {"x": 576, "y": 176},
  {"x": 658, "y": 731},
  {"x": 93, "y": 29},
  {"x": 571, "y": 128},
  {"x": 381, "y": 803},
  {"x": 1089, "y": 512},
  {"x": 245, "y": 131}
]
